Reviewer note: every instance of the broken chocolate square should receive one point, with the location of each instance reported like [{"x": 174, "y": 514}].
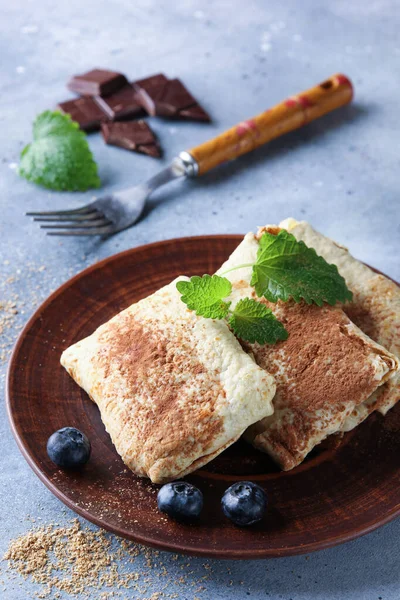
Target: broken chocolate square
[
  {"x": 148, "y": 90},
  {"x": 168, "y": 98},
  {"x": 174, "y": 98},
  {"x": 121, "y": 104},
  {"x": 84, "y": 111},
  {"x": 97, "y": 82},
  {"x": 135, "y": 136}
]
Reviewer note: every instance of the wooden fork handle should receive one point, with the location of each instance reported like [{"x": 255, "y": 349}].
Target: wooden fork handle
[{"x": 290, "y": 114}]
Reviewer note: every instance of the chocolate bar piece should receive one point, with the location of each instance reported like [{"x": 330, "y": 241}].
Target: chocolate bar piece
[
  {"x": 97, "y": 82},
  {"x": 84, "y": 111},
  {"x": 121, "y": 104},
  {"x": 168, "y": 98},
  {"x": 135, "y": 136},
  {"x": 148, "y": 89}
]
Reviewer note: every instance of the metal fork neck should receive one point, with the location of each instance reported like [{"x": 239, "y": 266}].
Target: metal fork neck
[
  {"x": 183, "y": 165},
  {"x": 188, "y": 163}
]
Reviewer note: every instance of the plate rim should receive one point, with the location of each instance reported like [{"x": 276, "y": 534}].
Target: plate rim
[{"x": 237, "y": 554}]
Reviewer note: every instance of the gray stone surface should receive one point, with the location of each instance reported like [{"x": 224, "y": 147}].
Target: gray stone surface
[{"x": 341, "y": 173}]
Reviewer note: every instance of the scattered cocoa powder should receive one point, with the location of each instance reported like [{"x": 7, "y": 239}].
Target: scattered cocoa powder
[
  {"x": 8, "y": 310},
  {"x": 35, "y": 280},
  {"x": 78, "y": 561}
]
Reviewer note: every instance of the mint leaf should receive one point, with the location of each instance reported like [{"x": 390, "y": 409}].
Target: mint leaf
[
  {"x": 286, "y": 268},
  {"x": 205, "y": 295},
  {"x": 253, "y": 322},
  {"x": 53, "y": 122},
  {"x": 59, "y": 158}
]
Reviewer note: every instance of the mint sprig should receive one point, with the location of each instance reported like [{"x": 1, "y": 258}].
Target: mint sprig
[
  {"x": 205, "y": 295},
  {"x": 250, "y": 320},
  {"x": 286, "y": 268},
  {"x": 253, "y": 322},
  {"x": 59, "y": 158}
]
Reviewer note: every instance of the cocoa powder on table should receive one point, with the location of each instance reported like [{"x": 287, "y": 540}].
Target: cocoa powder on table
[{"x": 76, "y": 560}]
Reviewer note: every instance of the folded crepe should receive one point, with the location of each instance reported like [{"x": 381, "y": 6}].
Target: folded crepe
[
  {"x": 375, "y": 309},
  {"x": 324, "y": 370},
  {"x": 174, "y": 390}
]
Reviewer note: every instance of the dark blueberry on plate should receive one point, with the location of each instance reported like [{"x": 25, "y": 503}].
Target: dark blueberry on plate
[
  {"x": 244, "y": 503},
  {"x": 180, "y": 500},
  {"x": 68, "y": 448}
]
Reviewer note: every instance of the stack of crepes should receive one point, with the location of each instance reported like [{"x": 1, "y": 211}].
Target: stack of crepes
[{"x": 175, "y": 389}]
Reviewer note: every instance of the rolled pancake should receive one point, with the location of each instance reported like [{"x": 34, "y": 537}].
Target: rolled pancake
[
  {"x": 174, "y": 390},
  {"x": 375, "y": 309},
  {"x": 324, "y": 370}
]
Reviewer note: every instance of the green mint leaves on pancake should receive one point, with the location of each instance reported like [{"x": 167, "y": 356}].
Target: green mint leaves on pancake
[
  {"x": 59, "y": 158},
  {"x": 253, "y": 322},
  {"x": 286, "y": 268},
  {"x": 205, "y": 295},
  {"x": 250, "y": 320}
]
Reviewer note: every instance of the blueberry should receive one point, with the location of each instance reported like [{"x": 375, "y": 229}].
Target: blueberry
[
  {"x": 180, "y": 500},
  {"x": 68, "y": 448},
  {"x": 244, "y": 503}
]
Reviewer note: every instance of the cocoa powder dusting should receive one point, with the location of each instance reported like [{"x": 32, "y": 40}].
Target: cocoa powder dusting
[
  {"x": 166, "y": 416},
  {"x": 323, "y": 361},
  {"x": 321, "y": 371}
]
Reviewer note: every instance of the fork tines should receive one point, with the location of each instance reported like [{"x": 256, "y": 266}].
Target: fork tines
[{"x": 81, "y": 221}]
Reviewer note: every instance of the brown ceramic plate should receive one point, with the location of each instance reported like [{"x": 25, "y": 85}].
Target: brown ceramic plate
[{"x": 337, "y": 494}]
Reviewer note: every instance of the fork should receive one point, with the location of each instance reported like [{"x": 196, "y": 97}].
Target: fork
[{"x": 118, "y": 211}]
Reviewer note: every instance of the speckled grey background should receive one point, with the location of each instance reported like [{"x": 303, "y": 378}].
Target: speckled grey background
[{"x": 341, "y": 173}]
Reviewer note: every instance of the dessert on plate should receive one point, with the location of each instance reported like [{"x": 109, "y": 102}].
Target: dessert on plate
[{"x": 175, "y": 387}]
